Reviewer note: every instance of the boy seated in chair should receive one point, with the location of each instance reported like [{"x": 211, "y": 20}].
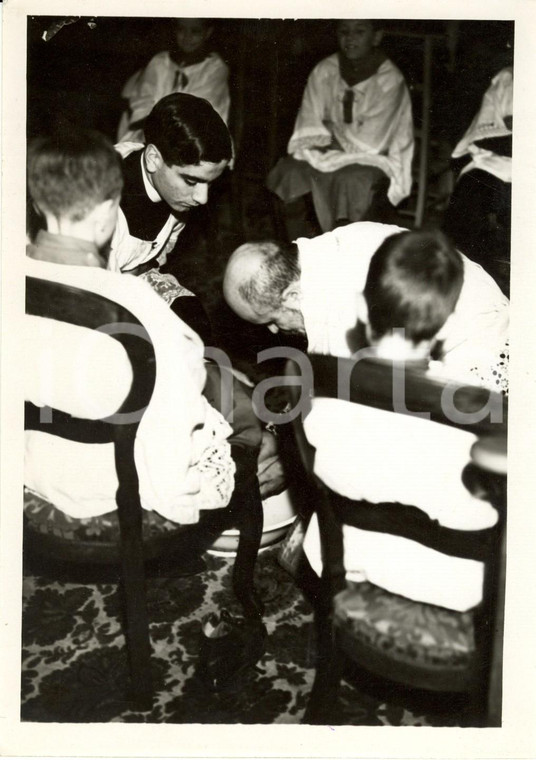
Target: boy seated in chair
[
  {"x": 478, "y": 217},
  {"x": 352, "y": 144},
  {"x": 380, "y": 457},
  {"x": 182, "y": 453},
  {"x": 188, "y": 66}
]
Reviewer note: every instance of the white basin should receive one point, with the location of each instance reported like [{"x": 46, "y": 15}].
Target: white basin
[{"x": 279, "y": 514}]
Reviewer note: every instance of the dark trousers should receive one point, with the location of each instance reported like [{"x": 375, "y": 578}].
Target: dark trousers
[{"x": 478, "y": 217}]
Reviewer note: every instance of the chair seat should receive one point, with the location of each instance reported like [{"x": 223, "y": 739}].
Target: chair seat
[
  {"x": 402, "y": 635},
  {"x": 51, "y": 532},
  {"x": 43, "y": 517}
]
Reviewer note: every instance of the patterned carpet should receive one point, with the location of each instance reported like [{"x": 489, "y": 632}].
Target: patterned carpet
[{"x": 74, "y": 666}]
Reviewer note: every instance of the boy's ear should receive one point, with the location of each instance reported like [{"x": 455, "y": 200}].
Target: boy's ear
[
  {"x": 362, "y": 309},
  {"x": 101, "y": 215},
  {"x": 103, "y": 210},
  {"x": 92, "y": 260},
  {"x": 153, "y": 158},
  {"x": 291, "y": 296},
  {"x": 37, "y": 210}
]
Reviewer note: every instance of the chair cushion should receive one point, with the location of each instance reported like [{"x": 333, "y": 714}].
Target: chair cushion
[
  {"x": 408, "y": 632},
  {"x": 44, "y": 517}
]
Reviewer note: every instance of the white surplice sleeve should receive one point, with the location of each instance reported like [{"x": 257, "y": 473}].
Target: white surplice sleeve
[
  {"x": 210, "y": 80},
  {"x": 490, "y": 121},
  {"x": 309, "y": 129},
  {"x": 148, "y": 87}
]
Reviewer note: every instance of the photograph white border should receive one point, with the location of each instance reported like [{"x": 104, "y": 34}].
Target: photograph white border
[{"x": 517, "y": 738}]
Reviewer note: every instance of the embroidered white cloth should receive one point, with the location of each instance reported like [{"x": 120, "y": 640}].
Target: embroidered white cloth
[
  {"x": 490, "y": 122},
  {"x": 381, "y": 132},
  {"x": 166, "y": 285},
  {"x": 128, "y": 252},
  {"x": 182, "y": 454},
  {"x": 380, "y": 456},
  {"x": 162, "y": 76},
  {"x": 334, "y": 269}
]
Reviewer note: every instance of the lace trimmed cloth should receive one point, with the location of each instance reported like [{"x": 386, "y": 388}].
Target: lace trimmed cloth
[
  {"x": 492, "y": 120},
  {"x": 214, "y": 464},
  {"x": 166, "y": 285},
  {"x": 492, "y": 375},
  {"x": 496, "y": 378},
  {"x": 210, "y": 482}
]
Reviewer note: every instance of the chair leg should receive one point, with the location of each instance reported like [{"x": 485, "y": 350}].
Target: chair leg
[
  {"x": 136, "y": 618},
  {"x": 246, "y": 556},
  {"x": 245, "y": 513},
  {"x": 132, "y": 560},
  {"x": 486, "y": 694},
  {"x": 249, "y": 518},
  {"x": 137, "y": 636},
  {"x": 322, "y": 707}
]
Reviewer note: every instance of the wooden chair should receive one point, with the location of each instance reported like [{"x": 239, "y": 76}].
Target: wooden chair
[
  {"x": 138, "y": 542},
  {"x": 476, "y": 671}
]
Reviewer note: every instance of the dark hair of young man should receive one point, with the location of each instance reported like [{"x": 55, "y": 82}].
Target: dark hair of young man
[
  {"x": 414, "y": 281},
  {"x": 187, "y": 130},
  {"x": 72, "y": 171}
]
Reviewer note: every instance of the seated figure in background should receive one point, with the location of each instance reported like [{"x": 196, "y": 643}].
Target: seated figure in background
[
  {"x": 381, "y": 457},
  {"x": 353, "y": 137},
  {"x": 478, "y": 216},
  {"x": 188, "y": 66}
]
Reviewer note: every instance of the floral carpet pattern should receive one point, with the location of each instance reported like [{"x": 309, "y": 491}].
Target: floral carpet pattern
[{"x": 74, "y": 666}]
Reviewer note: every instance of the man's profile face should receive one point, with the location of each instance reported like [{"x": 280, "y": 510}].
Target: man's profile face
[
  {"x": 286, "y": 320},
  {"x": 280, "y": 319},
  {"x": 182, "y": 187}
]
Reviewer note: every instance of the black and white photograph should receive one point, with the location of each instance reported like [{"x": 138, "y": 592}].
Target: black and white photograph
[{"x": 267, "y": 266}]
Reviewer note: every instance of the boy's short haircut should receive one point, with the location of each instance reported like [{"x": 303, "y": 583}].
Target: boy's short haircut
[
  {"x": 73, "y": 171},
  {"x": 413, "y": 282},
  {"x": 187, "y": 130}
]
